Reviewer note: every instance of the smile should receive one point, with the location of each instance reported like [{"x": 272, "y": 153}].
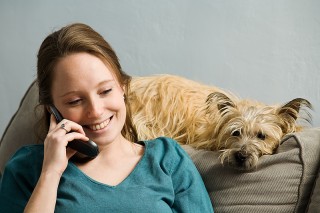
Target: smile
[{"x": 100, "y": 126}]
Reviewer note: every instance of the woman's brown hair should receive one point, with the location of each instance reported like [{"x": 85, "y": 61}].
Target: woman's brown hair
[{"x": 71, "y": 39}]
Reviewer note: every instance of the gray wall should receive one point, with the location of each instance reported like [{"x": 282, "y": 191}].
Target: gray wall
[{"x": 266, "y": 50}]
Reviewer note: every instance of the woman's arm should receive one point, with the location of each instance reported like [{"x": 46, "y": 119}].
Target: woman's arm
[
  {"x": 56, "y": 156},
  {"x": 43, "y": 198}
]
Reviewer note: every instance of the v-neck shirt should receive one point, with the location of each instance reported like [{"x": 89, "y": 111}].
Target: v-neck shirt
[{"x": 164, "y": 180}]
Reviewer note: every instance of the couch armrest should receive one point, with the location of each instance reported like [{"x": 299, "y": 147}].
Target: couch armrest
[
  {"x": 282, "y": 182},
  {"x": 314, "y": 205}
]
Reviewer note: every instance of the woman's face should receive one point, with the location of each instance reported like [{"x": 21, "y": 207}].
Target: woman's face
[{"x": 85, "y": 91}]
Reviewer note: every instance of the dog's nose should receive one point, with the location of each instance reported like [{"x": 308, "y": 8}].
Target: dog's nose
[{"x": 240, "y": 156}]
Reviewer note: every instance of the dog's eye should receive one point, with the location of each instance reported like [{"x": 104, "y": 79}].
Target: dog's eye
[
  {"x": 235, "y": 133},
  {"x": 261, "y": 136}
]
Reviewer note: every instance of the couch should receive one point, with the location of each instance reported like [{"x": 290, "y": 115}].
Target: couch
[{"x": 287, "y": 181}]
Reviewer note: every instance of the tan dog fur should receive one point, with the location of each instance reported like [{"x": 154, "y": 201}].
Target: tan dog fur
[{"x": 206, "y": 117}]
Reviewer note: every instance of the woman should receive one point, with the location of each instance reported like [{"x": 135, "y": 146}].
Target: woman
[{"x": 79, "y": 73}]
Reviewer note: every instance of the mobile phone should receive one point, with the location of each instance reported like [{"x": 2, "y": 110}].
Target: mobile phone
[{"x": 87, "y": 148}]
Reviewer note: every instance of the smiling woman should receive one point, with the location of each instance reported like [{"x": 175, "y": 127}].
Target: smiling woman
[
  {"x": 96, "y": 104},
  {"x": 79, "y": 73}
]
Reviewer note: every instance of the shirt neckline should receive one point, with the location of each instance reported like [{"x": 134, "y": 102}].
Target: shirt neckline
[{"x": 84, "y": 175}]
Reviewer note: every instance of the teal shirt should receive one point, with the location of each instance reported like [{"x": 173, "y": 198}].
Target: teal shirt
[{"x": 164, "y": 180}]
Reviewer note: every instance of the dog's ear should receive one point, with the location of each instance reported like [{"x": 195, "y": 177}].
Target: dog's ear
[
  {"x": 223, "y": 102},
  {"x": 291, "y": 111}
]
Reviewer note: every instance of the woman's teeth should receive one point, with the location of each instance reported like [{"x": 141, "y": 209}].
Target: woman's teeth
[{"x": 99, "y": 126}]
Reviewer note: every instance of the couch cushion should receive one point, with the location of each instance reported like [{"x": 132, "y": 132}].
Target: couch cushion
[{"x": 281, "y": 182}]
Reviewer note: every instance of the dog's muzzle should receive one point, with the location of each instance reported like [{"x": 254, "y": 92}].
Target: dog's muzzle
[{"x": 240, "y": 156}]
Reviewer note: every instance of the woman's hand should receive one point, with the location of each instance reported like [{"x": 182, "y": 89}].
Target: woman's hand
[
  {"x": 56, "y": 153},
  {"x": 55, "y": 161}
]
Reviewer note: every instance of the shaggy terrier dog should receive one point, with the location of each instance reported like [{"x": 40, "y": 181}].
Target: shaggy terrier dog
[{"x": 207, "y": 117}]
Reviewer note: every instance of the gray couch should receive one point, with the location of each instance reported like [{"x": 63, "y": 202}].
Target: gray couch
[{"x": 287, "y": 181}]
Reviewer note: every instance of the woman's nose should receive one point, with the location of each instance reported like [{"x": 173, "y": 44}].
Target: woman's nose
[{"x": 95, "y": 109}]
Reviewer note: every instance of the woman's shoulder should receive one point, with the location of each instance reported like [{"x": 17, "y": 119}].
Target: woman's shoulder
[
  {"x": 29, "y": 150},
  {"x": 26, "y": 156},
  {"x": 162, "y": 143},
  {"x": 166, "y": 149},
  {"x": 20, "y": 175}
]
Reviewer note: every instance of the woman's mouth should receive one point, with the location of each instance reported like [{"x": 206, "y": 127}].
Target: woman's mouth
[{"x": 99, "y": 126}]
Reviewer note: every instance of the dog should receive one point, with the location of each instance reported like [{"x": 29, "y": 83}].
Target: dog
[{"x": 207, "y": 117}]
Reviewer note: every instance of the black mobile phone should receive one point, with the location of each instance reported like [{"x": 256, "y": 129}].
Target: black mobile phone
[{"x": 87, "y": 148}]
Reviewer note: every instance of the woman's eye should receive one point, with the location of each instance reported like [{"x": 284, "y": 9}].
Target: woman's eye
[
  {"x": 74, "y": 102},
  {"x": 104, "y": 92}
]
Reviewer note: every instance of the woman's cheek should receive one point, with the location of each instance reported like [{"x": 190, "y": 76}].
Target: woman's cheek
[{"x": 74, "y": 115}]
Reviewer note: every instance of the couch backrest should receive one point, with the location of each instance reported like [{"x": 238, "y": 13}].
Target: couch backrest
[{"x": 20, "y": 130}]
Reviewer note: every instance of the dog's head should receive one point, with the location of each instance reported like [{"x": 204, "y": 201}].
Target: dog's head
[{"x": 246, "y": 130}]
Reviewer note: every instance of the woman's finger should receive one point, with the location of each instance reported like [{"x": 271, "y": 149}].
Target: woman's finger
[
  {"x": 69, "y": 126},
  {"x": 66, "y": 138},
  {"x": 75, "y": 135}
]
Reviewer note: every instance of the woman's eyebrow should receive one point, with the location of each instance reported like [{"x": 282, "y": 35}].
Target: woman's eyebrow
[{"x": 104, "y": 82}]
